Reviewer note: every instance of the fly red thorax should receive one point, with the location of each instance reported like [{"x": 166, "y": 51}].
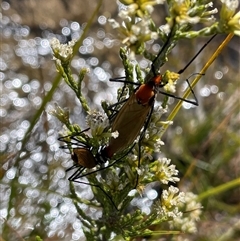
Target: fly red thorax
[{"x": 147, "y": 91}]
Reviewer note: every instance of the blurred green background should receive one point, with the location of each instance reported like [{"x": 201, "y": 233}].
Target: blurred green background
[{"x": 203, "y": 141}]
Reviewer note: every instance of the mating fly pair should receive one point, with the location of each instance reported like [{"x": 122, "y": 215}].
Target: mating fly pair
[{"x": 132, "y": 118}]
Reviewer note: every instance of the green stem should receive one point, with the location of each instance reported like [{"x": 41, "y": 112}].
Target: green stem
[
  {"x": 37, "y": 115},
  {"x": 78, "y": 91},
  {"x": 221, "y": 188},
  {"x": 195, "y": 81},
  {"x": 56, "y": 82}
]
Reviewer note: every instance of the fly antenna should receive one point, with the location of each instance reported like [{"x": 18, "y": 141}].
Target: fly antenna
[
  {"x": 196, "y": 55},
  {"x": 162, "y": 49}
]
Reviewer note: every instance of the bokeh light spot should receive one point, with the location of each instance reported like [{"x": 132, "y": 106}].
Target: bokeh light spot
[{"x": 102, "y": 19}]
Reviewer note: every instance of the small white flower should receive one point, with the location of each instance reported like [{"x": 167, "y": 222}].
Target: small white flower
[
  {"x": 136, "y": 29},
  {"x": 97, "y": 121},
  {"x": 193, "y": 207},
  {"x": 132, "y": 157},
  {"x": 132, "y": 193},
  {"x": 62, "y": 52},
  {"x": 154, "y": 35},
  {"x": 229, "y": 19},
  {"x": 123, "y": 14},
  {"x": 133, "y": 39},
  {"x": 214, "y": 11},
  {"x": 165, "y": 28},
  {"x": 132, "y": 55},
  {"x": 158, "y": 143},
  {"x": 114, "y": 23},
  {"x": 55, "y": 43},
  {"x": 209, "y": 5},
  {"x": 193, "y": 211},
  {"x": 175, "y": 213},
  {"x": 132, "y": 9},
  {"x": 149, "y": 8},
  {"x": 231, "y": 4},
  {"x": 160, "y": 1},
  {"x": 192, "y": 20},
  {"x": 115, "y": 134},
  {"x": 170, "y": 201},
  {"x": 170, "y": 87},
  {"x": 164, "y": 171},
  {"x": 147, "y": 156}
]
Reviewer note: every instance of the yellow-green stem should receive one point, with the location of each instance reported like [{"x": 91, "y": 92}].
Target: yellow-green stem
[
  {"x": 195, "y": 81},
  {"x": 221, "y": 188}
]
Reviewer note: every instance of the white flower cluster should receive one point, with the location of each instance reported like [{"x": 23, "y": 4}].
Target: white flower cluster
[
  {"x": 154, "y": 129},
  {"x": 192, "y": 12},
  {"x": 171, "y": 199},
  {"x": 62, "y": 52},
  {"x": 230, "y": 20},
  {"x": 139, "y": 7},
  {"x": 187, "y": 223},
  {"x": 232, "y": 5},
  {"x": 170, "y": 86},
  {"x": 166, "y": 171},
  {"x": 97, "y": 121},
  {"x": 170, "y": 78},
  {"x": 135, "y": 28}
]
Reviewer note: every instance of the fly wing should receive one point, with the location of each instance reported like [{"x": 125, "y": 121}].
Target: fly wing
[
  {"x": 84, "y": 157},
  {"x": 129, "y": 122}
]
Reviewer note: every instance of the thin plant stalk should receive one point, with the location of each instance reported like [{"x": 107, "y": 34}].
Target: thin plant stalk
[
  {"x": 56, "y": 82},
  {"x": 219, "y": 189},
  {"x": 195, "y": 81},
  {"x": 37, "y": 115}
]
